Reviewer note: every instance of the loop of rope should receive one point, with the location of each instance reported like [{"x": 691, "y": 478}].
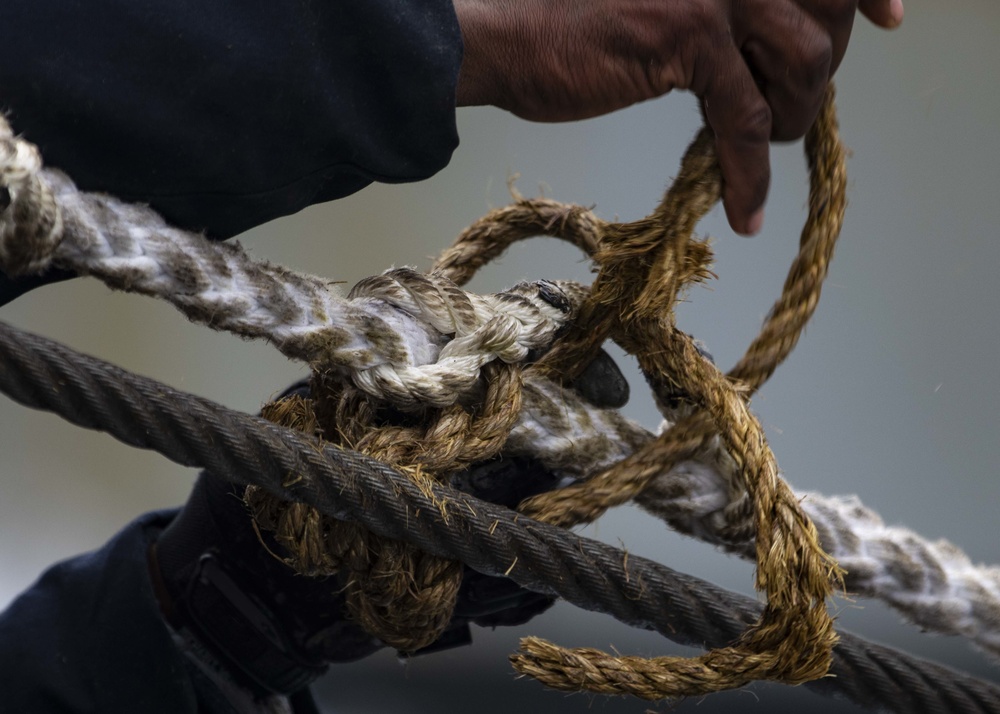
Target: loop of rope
[
  {"x": 668, "y": 260},
  {"x": 495, "y": 232},
  {"x": 196, "y": 432},
  {"x": 643, "y": 267}
]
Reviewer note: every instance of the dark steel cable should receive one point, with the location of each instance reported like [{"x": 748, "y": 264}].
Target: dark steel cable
[{"x": 192, "y": 431}]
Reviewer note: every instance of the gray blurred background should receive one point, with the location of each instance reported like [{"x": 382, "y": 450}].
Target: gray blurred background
[{"x": 893, "y": 393}]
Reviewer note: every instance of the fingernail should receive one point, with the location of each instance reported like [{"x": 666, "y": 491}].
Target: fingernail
[
  {"x": 755, "y": 223},
  {"x": 896, "y": 11}
]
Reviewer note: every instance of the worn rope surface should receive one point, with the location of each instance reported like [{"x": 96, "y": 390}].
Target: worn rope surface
[
  {"x": 933, "y": 584},
  {"x": 411, "y": 338},
  {"x": 644, "y": 265},
  {"x": 193, "y": 431},
  {"x": 429, "y": 298},
  {"x": 491, "y": 235},
  {"x": 397, "y": 592}
]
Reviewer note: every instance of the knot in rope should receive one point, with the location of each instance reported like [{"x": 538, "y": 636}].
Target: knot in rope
[
  {"x": 412, "y": 370},
  {"x": 478, "y": 329},
  {"x": 397, "y": 592},
  {"x": 643, "y": 267}
]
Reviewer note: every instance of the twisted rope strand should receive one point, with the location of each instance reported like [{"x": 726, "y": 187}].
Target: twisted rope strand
[
  {"x": 193, "y": 431},
  {"x": 412, "y": 338},
  {"x": 487, "y": 239},
  {"x": 34, "y": 233},
  {"x": 800, "y": 295},
  {"x": 643, "y": 267},
  {"x": 396, "y": 592},
  {"x": 933, "y": 584}
]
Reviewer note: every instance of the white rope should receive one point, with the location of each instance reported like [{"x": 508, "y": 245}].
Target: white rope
[
  {"x": 34, "y": 227},
  {"x": 414, "y": 339},
  {"x": 933, "y": 584},
  {"x": 417, "y": 339}
]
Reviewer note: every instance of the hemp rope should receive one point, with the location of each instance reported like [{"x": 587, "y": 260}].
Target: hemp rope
[
  {"x": 776, "y": 310},
  {"x": 495, "y": 232},
  {"x": 792, "y": 642},
  {"x": 933, "y": 584},
  {"x": 421, "y": 342},
  {"x": 633, "y": 305},
  {"x": 398, "y": 593},
  {"x": 193, "y": 431}
]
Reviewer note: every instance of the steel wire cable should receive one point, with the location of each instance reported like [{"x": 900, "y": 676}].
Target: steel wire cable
[{"x": 192, "y": 431}]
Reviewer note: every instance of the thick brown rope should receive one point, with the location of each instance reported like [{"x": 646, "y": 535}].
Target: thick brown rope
[
  {"x": 406, "y": 597},
  {"x": 491, "y": 235},
  {"x": 395, "y": 591},
  {"x": 644, "y": 265}
]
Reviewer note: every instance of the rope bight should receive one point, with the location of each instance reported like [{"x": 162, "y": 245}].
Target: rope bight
[{"x": 453, "y": 361}]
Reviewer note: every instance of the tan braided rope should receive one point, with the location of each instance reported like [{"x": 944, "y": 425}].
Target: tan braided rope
[
  {"x": 643, "y": 266},
  {"x": 395, "y": 591},
  {"x": 492, "y": 234}
]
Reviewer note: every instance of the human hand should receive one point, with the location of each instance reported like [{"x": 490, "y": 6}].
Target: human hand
[{"x": 760, "y": 67}]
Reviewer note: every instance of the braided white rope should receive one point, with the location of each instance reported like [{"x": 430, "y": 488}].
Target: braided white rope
[
  {"x": 932, "y": 583},
  {"x": 417, "y": 340},
  {"x": 35, "y": 228},
  {"x": 414, "y": 339}
]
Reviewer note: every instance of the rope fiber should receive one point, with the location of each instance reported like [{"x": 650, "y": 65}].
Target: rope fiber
[
  {"x": 463, "y": 375},
  {"x": 193, "y": 431}
]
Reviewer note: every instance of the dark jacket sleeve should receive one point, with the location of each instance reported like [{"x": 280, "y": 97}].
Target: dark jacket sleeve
[
  {"x": 223, "y": 115},
  {"x": 89, "y": 637}
]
